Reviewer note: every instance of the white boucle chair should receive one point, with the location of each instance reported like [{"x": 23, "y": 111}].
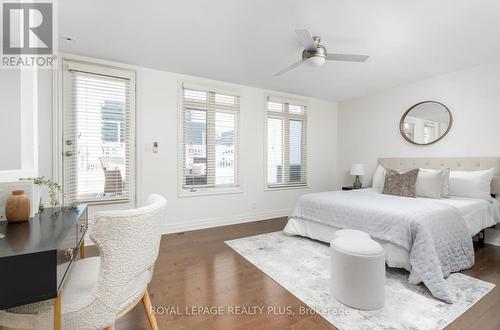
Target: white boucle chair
[
  {"x": 358, "y": 272},
  {"x": 101, "y": 289}
]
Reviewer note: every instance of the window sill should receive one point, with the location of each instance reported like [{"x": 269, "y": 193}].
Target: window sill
[
  {"x": 105, "y": 201},
  {"x": 278, "y": 188},
  {"x": 185, "y": 193}
]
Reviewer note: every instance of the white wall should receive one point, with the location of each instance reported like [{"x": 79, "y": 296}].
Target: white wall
[
  {"x": 157, "y": 111},
  {"x": 369, "y": 125}
]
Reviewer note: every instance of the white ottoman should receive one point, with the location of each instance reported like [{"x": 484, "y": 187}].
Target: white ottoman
[
  {"x": 358, "y": 272},
  {"x": 354, "y": 233}
]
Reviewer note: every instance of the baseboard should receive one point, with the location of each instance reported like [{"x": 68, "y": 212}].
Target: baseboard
[
  {"x": 492, "y": 236},
  {"x": 176, "y": 227}
]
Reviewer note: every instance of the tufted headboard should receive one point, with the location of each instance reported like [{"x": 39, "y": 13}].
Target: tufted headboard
[{"x": 461, "y": 164}]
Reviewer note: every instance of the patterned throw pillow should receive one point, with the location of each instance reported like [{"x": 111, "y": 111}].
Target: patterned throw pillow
[{"x": 401, "y": 184}]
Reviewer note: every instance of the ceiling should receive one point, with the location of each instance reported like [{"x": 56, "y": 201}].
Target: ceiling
[{"x": 246, "y": 42}]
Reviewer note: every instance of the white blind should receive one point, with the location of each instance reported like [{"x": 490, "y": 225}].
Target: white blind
[
  {"x": 98, "y": 133},
  {"x": 286, "y": 143},
  {"x": 210, "y": 138}
]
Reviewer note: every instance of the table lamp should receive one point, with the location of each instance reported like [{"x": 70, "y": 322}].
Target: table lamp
[{"x": 357, "y": 170}]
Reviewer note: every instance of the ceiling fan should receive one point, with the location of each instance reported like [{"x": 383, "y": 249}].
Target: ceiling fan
[{"x": 315, "y": 54}]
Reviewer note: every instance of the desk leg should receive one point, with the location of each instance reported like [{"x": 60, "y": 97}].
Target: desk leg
[
  {"x": 57, "y": 312},
  {"x": 82, "y": 249}
]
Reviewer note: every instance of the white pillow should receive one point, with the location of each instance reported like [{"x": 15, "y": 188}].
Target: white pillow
[
  {"x": 445, "y": 180},
  {"x": 446, "y": 183},
  {"x": 379, "y": 178},
  {"x": 429, "y": 183},
  {"x": 474, "y": 184}
]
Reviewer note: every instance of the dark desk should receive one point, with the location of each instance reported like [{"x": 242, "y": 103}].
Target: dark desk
[{"x": 36, "y": 256}]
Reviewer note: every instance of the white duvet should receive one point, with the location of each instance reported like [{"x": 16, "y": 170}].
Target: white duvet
[{"x": 434, "y": 233}]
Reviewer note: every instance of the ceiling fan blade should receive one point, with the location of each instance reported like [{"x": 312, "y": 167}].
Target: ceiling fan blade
[
  {"x": 290, "y": 67},
  {"x": 346, "y": 57},
  {"x": 306, "y": 40}
]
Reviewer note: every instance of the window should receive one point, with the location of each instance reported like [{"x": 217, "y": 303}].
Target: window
[
  {"x": 430, "y": 131},
  {"x": 286, "y": 143},
  {"x": 98, "y": 115},
  {"x": 409, "y": 129},
  {"x": 209, "y": 139}
]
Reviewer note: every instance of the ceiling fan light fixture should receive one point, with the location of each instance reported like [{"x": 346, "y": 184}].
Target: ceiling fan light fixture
[
  {"x": 315, "y": 61},
  {"x": 314, "y": 53}
]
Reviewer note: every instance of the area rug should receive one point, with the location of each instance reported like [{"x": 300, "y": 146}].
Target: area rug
[{"x": 302, "y": 266}]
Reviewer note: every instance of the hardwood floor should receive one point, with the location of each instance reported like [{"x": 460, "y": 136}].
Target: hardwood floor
[{"x": 197, "y": 268}]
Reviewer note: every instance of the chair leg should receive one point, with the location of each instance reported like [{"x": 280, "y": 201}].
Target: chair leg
[{"x": 149, "y": 310}]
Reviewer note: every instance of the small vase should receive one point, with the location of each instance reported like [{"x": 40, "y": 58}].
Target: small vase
[
  {"x": 37, "y": 194},
  {"x": 18, "y": 207}
]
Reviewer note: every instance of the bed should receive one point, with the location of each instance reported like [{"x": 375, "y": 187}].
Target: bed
[{"x": 443, "y": 244}]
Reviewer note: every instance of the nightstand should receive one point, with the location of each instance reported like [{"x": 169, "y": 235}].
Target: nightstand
[{"x": 352, "y": 188}]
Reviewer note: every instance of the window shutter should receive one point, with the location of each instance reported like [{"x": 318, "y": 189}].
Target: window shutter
[
  {"x": 286, "y": 143},
  {"x": 210, "y": 138},
  {"x": 98, "y": 133}
]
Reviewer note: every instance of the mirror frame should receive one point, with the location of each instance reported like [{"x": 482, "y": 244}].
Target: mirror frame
[{"x": 402, "y": 120}]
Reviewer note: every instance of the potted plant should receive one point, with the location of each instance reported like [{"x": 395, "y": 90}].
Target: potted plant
[{"x": 55, "y": 193}]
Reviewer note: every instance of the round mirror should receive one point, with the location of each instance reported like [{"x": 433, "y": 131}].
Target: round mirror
[{"x": 426, "y": 123}]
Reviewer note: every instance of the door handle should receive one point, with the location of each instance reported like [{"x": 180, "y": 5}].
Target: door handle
[{"x": 68, "y": 153}]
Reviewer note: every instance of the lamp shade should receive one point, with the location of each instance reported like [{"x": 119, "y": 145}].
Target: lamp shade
[{"x": 357, "y": 169}]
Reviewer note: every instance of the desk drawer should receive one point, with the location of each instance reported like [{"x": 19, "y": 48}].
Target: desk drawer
[
  {"x": 27, "y": 278},
  {"x": 69, "y": 248},
  {"x": 81, "y": 228},
  {"x": 66, "y": 253},
  {"x": 34, "y": 263}
]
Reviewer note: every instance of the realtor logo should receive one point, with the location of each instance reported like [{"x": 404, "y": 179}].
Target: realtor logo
[{"x": 27, "y": 34}]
